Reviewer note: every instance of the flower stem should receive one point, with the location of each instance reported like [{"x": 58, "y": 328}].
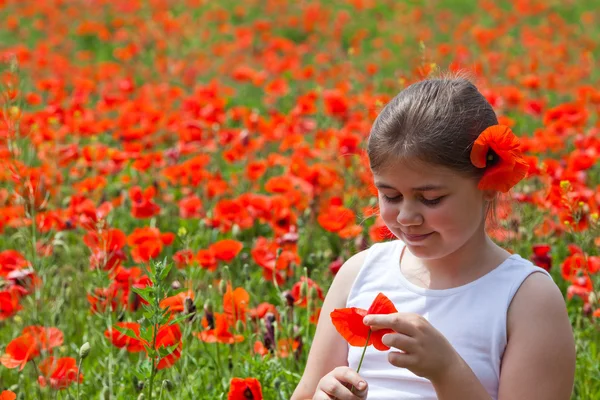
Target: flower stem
[
  {"x": 362, "y": 357},
  {"x": 364, "y": 351},
  {"x": 78, "y": 371}
]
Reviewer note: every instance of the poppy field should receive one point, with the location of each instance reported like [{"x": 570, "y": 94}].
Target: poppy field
[{"x": 181, "y": 180}]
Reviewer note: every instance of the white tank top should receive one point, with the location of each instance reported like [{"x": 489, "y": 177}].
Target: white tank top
[{"x": 472, "y": 317}]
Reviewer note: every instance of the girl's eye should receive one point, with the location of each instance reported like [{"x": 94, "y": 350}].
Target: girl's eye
[
  {"x": 432, "y": 202},
  {"x": 392, "y": 199}
]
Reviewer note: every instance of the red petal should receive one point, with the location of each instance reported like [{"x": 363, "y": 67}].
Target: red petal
[
  {"x": 349, "y": 323},
  {"x": 502, "y": 177},
  {"x": 376, "y": 337},
  {"x": 382, "y": 305}
]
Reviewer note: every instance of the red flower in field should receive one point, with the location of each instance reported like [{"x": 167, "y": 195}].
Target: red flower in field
[
  {"x": 9, "y": 301},
  {"x": 7, "y": 395},
  {"x": 349, "y": 323},
  {"x": 183, "y": 258},
  {"x": 142, "y": 205},
  {"x": 582, "y": 287},
  {"x": 285, "y": 347},
  {"x": 335, "y": 103},
  {"x": 190, "y": 207},
  {"x": 147, "y": 243},
  {"x": 19, "y": 351},
  {"x": 340, "y": 220},
  {"x": 235, "y": 303},
  {"x": 262, "y": 309},
  {"x": 11, "y": 260},
  {"x": 301, "y": 291},
  {"x": 176, "y": 303},
  {"x": 497, "y": 150},
  {"x": 46, "y": 338},
  {"x": 169, "y": 335},
  {"x": 207, "y": 259},
  {"x": 244, "y": 389},
  {"x": 541, "y": 258},
  {"x": 226, "y": 250},
  {"x": 220, "y": 333},
  {"x": 61, "y": 372},
  {"x": 123, "y": 341},
  {"x": 106, "y": 248}
]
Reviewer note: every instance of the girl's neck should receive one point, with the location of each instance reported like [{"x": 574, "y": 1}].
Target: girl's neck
[{"x": 473, "y": 260}]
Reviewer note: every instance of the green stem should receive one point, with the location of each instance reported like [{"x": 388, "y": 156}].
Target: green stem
[
  {"x": 362, "y": 357},
  {"x": 153, "y": 373},
  {"x": 363, "y": 353},
  {"x": 39, "y": 374},
  {"x": 77, "y": 377}
]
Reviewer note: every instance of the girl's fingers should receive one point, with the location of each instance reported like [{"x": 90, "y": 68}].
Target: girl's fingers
[
  {"x": 400, "y": 341},
  {"x": 347, "y": 375},
  {"x": 399, "y": 322},
  {"x": 401, "y": 360}
]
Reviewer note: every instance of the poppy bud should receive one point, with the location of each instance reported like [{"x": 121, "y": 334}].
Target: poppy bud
[
  {"x": 239, "y": 325},
  {"x": 84, "y": 350},
  {"x": 289, "y": 298},
  {"x": 303, "y": 288},
  {"x": 137, "y": 384},
  {"x": 188, "y": 306},
  {"x": 167, "y": 384},
  {"x": 246, "y": 271},
  {"x": 208, "y": 307},
  {"x": 222, "y": 287},
  {"x": 176, "y": 285}
]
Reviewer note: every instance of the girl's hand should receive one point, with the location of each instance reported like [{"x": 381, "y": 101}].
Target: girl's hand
[
  {"x": 424, "y": 350},
  {"x": 337, "y": 384}
]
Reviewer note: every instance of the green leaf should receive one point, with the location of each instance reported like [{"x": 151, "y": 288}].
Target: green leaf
[
  {"x": 145, "y": 293},
  {"x": 165, "y": 272},
  {"x": 130, "y": 333}
]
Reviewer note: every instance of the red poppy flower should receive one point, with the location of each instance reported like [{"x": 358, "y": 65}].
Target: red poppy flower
[
  {"x": 541, "y": 256},
  {"x": 220, "y": 333},
  {"x": 61, "y": 372},
  {"x": 167, "y": 336},
  {"x": 8, "y": 395},
  {"x": 244, "y": 389},
  {"x": 235, "y": 303},
  {"x": 349, "y": 323},
  {"x": 19, "y": 351},
  {"x": 301, "y": 296},
  {"x": 176, "y": 303},
  {"x": 508, "y": 166},
  {"x": 121, "y": 340},
  {"x": 227, "y": 249}
]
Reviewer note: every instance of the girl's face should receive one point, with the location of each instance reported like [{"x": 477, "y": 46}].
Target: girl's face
[{"x": 434, "y": 210}]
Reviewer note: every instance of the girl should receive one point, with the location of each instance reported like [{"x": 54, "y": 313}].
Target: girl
[{"x": 473, "y": 321}]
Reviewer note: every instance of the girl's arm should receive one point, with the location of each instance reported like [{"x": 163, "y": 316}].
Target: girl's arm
[
  {"x": 539, "y": 360},
  {"x": 329, "y": 349}
]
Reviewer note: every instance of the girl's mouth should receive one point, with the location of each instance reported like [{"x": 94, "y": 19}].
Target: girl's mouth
[{"x": 416, "y": 238}]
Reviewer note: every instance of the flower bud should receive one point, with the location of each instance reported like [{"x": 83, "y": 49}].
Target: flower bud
[
  {"x": 303, "y": 289},
  {"x": 222, "y": 287},
  {"x": 167, "y": 384},
  {"x": 84, "y": 350},
  {"x": 289, "y": 298},
  {"x": 142, "y": 396},
  {"x": 239, "y": 326},
  {"x": 208, "y": 308}
]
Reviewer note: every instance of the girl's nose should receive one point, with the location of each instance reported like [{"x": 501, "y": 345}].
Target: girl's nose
[{"x": 409, "y": 217}]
